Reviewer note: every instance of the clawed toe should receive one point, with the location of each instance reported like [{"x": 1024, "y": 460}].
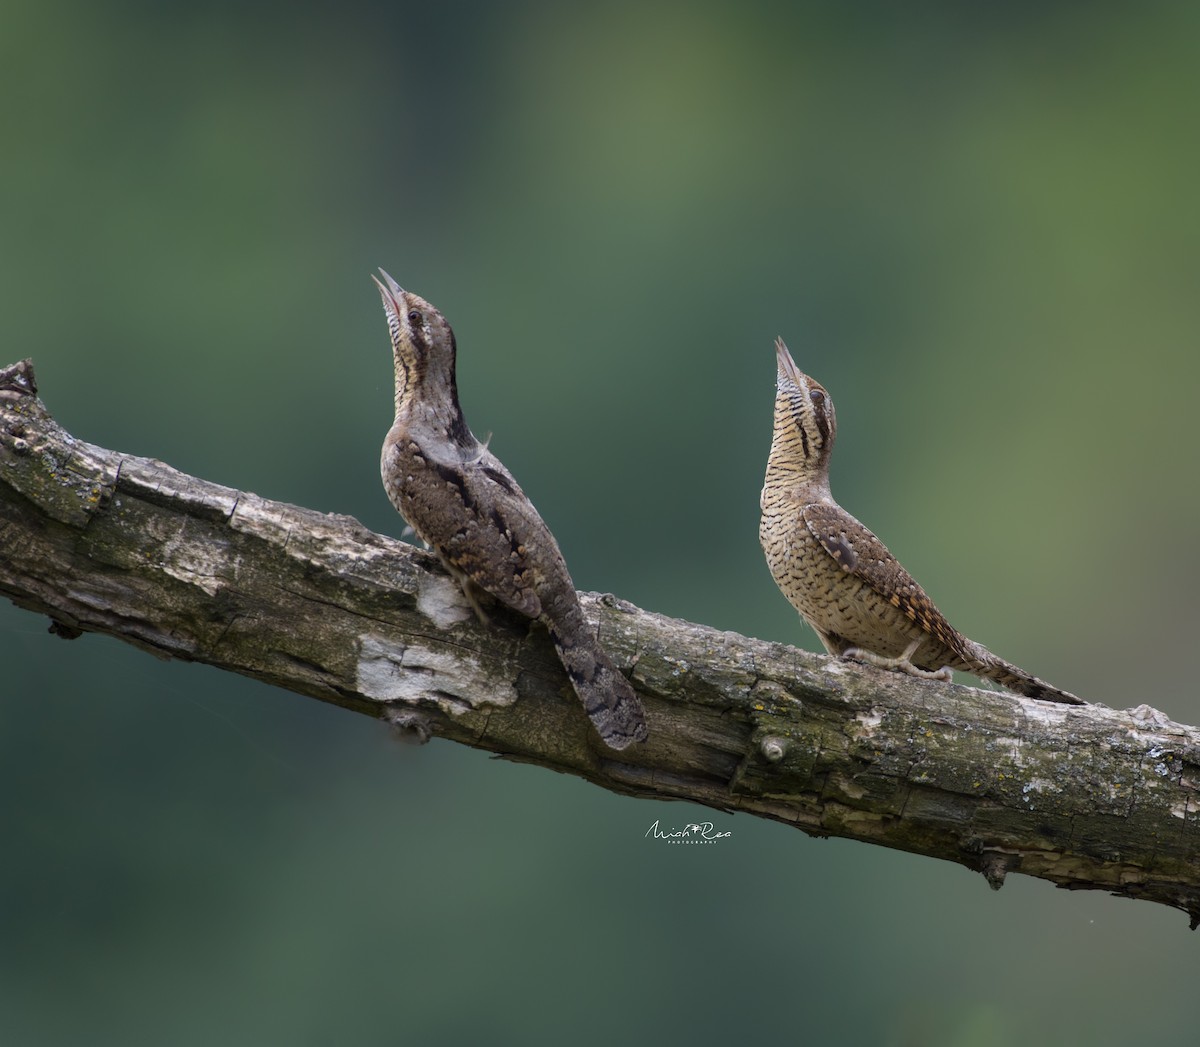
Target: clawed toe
[{"x": 902, "y": 664}]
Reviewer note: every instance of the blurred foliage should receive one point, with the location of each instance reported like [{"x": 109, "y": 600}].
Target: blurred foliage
[{"x": 975, "y": 224}]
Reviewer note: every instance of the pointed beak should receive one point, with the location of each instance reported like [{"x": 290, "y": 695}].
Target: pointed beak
[
  {"x": 787, "y": 366},
  {"x": 391, "y": 291}
]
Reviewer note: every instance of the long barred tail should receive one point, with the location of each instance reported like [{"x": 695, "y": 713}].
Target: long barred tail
[
  {"x": 608, "y": 699},
  {"x": 988, "y": 666}
]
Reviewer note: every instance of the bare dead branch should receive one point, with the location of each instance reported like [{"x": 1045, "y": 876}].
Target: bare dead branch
[{"x": 1086, "y": 797}]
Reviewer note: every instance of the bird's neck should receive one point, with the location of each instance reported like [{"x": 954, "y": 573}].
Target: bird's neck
[
  {"x": 799, "y": 459},
  {"x": 797, "y": 485},
  {"x": 430, "y": 413}
]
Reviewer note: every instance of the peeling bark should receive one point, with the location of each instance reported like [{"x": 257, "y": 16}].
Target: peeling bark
[{"x": 1086, "y": 797}]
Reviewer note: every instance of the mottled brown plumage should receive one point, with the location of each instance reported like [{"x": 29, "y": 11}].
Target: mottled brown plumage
[
  {"x": 462, "y": 502},
  {"x": 838, "y": 575}
]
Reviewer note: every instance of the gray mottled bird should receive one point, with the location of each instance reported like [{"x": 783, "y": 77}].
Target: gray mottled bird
[
  {"x": 841, "y": 578},
  {"x": 461, "y": 501}
]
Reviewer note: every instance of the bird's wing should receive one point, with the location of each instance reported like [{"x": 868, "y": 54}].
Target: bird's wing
[
  {"x": 860, "y": 553},
  {"x": 503, "y": 546}
]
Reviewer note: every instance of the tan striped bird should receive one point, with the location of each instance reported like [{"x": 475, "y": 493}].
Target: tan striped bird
[{"x": 841, "y": 578}]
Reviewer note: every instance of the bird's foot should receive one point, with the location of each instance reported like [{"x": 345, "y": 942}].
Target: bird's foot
[
  {"x": 472, "y": 593},
  {"x": 901, "y": 664}
]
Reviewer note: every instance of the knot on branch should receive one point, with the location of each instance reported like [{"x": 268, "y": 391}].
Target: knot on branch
[
  {"x": 773, "y": 748},
  {"x": 410, "y": 726},
  {"x": 17, "y": 380},
  {"x": 62, "y": 629},
  {"x": 994, "y": 867}
]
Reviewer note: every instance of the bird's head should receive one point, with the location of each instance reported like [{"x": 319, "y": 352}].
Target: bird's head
[
  {"x": 422, "y": 345},
  {"x": 805, "y": 423}
]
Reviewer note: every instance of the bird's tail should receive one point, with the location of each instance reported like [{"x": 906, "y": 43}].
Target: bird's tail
[
  {"x": 988, "y": 666},
  {"x": 608, "y": 698}
]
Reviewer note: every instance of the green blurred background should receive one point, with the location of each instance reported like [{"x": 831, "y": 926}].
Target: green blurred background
[{"x": 976, "y": 225}]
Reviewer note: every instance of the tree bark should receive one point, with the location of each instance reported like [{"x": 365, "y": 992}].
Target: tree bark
[{"x": 1086, "y": 797}]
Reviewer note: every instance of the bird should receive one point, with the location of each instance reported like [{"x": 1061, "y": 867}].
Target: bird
[
  {"x": 862, "y": 604},
  {"x": 459, "y": 499}
]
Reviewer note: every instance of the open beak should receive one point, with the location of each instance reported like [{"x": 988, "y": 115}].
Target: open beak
[{"x": 391, "y": 291}]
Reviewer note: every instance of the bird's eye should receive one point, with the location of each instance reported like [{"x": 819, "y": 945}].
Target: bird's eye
[
  {"x": 816, "y": 396},
  {"x": 415, "y": 318}
]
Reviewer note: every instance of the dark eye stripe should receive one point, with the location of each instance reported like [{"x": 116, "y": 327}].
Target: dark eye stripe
[
  {"x": 417, "y": 333},
  {"x": 822, "y": 420},
  {"x": 799, "y": 419}
]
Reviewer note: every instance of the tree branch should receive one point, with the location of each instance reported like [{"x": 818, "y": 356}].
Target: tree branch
[{"x": 105, "y": 542}]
